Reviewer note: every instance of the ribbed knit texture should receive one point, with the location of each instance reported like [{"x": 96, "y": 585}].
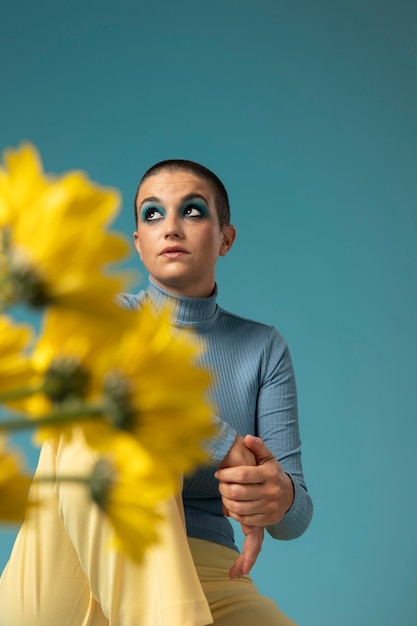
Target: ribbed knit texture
[{"x": 254, "y": 393}]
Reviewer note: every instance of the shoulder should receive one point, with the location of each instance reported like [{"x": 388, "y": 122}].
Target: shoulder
[
  {"x": 252, "y": 330},
  {"x": 130, "y": 301},
  {"x": 256, "y": 342}
]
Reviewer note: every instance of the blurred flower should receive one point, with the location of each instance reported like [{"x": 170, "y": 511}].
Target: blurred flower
[
  {"x": 126, "y": 377},
  {"x": 68, "y": 346},
  {"x": 53, "y": 242},
  {"x": 142, "y": 374},
  {"x": 153, "y": 388},
  {"x": 128, "y": 485},
  {"x": 14, "y": 486},
  {"x": 15, "y": 366}
]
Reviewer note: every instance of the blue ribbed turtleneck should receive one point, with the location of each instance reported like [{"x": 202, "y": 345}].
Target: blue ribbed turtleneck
[
  {"x": 200, "y": 314},
  {"x": 254, "y": 393}
]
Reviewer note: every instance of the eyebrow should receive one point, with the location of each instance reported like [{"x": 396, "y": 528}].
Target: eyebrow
[{"x": 189, "y": 196}]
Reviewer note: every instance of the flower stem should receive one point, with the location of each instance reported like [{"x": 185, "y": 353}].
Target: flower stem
[
  {"x": 62, "y": 416},
  {"x": 82, "y": 480},
  {"x": 22, "y": 392}
]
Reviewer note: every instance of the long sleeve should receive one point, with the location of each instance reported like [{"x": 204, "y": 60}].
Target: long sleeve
[
  {"x": 253, "y": 392},
  {"x": 218, "y": 446},
  {"x": 277, "y": 424}
]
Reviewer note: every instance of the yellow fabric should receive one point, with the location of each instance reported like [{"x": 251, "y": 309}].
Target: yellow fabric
[
  {"x": 62, "y": 570},
  {"x": 232, "y": 602}
]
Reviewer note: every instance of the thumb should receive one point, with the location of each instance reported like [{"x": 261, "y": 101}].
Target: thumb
[{"x": 257, "y": 446}]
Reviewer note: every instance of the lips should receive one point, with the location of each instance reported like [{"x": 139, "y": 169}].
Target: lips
[{"x": 173, "y": 251}]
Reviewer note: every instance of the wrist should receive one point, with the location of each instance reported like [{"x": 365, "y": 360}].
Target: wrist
[{"x": 238, "y": 454}]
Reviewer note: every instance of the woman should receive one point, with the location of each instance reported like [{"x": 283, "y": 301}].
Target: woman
[
  {"x": 61, "y": 570},
  {"x": 183, "y": 226}
]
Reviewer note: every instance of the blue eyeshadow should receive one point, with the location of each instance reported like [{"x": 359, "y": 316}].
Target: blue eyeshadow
[{"x": 150, "y": 206}]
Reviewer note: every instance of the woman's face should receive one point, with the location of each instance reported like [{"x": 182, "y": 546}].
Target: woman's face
[{"x": 178, "y": 236}]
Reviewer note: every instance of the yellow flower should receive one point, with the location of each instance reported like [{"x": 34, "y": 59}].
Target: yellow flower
[
  {"x": 129, "y": 485},
  {"x": 14, "y": 486},
  {"x": 21, "y": 184},
  {"x": 53, "y": 240},
  {"x": 15, "y": 367},
  {"x": 68, "y": 344},
  {"x": 154, "y": 389},
  {"x": 141, "y": 374}
]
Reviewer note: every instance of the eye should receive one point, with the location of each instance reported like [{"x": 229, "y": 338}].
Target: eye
[
  {"x": 192, "y": 210},
  {"x": 150, "y": 214}
]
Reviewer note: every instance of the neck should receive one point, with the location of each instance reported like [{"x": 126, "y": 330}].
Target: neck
[
  {"x": 199, "y": 291},
  {"x": 190, "y": 311}
]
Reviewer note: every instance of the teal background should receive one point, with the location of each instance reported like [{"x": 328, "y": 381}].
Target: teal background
[{"x": 307, "y": 111}]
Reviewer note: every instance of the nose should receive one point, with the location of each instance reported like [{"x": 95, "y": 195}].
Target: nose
[{"x": 173, "y": 227}]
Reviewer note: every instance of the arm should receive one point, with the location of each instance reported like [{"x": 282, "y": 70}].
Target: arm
[
  {"x": 219, "y": 446},
  {"x": 273, "y": 494}
]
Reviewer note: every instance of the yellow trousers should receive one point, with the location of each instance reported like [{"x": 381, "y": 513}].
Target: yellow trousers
[
  {"x": 232, "y": 602},
  {"x": 62, "y": 571}
]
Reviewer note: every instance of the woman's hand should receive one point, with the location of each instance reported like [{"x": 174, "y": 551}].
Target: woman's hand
[
  {"x": 256, "y": 495},
  {"x": 239, "y": 454},
  {"x": 250, "y": 550},
  {"x": 255, "y": 492}
]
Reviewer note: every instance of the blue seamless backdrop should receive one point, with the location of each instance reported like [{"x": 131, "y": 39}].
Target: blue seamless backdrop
[{"x": 307, "y": 111}]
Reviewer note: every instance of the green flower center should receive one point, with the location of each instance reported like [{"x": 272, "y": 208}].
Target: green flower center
[
  {"x": 119, "y": 405},
  {"x": 102, "y": 479},
  {"x": 65, "y": 379},
  {"x": 21, "y": 282},
  {"x": 27, "y": 286}
]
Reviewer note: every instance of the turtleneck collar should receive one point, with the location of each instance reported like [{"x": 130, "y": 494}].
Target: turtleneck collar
[{"x": 197, "y": 313}]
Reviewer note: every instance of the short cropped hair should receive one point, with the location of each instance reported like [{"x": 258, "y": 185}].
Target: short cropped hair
[{"x": 175, "y": 165}]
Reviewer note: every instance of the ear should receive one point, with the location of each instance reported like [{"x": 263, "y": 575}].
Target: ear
[
  {"x": 137, "y": 244},
  {"x": 228, "y": 237}
]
